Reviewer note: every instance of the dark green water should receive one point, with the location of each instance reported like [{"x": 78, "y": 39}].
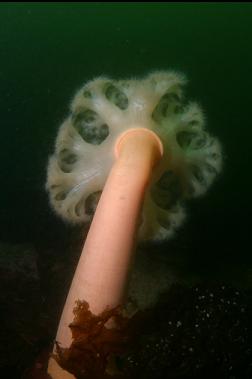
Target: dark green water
[{"x": 49, "y": 50}]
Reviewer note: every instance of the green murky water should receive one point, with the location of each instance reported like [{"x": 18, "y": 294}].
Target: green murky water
[{"x": 47, "y": 52}]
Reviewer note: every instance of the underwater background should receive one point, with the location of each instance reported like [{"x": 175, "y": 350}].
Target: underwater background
[{"x": 47, "y": 52}]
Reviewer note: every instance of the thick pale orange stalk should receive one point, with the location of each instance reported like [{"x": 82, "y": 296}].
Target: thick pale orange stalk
[{"x": 102, "y": 272}]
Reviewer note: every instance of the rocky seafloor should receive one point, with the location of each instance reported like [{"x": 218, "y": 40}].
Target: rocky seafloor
[{"x": 200, "y": 329}]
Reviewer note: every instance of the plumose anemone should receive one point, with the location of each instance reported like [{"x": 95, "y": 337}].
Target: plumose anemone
[
  {"x": 128, "y": 156},
  {"x": 84, "y": 153}
]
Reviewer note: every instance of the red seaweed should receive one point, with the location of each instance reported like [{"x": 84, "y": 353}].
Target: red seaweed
[{"x": 94, "y": 345}]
